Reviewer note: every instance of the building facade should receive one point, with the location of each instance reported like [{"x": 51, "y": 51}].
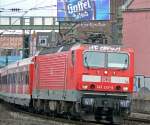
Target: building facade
[
  {"x": 136, "y": 29},
  {"x": 11, "y": 47}
]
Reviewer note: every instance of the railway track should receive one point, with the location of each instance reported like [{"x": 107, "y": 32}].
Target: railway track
[
  {"x": 136, "y": 121},
  {"x": 42, "y": 118}
]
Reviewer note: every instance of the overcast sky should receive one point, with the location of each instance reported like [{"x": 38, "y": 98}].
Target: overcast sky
[{"x": 5, "y": 5}]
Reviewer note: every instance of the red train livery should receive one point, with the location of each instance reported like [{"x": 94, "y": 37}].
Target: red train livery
[{"x": 81, "y": 80}]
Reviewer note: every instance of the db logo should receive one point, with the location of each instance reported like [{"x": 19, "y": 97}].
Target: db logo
[{"x": 105, "y": 79}]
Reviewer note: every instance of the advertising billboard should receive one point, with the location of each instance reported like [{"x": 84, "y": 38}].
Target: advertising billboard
[{"x": 83, "y": 10}]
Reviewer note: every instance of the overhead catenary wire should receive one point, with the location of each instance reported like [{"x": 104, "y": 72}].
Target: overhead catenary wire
[
  {"x": 22, "y": 16},
  {"x": 25, "y": 12},
  {"x": 16, "y": 2}
]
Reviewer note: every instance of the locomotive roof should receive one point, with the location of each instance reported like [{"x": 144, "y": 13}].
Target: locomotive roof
[
  {"x": 63, "y": 47},
  {"x": 99, "y": 47},
  {"x": 55, "y": 49}
]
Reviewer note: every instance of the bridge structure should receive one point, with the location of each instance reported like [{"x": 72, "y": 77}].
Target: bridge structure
[{"x": 33, "y": 23}]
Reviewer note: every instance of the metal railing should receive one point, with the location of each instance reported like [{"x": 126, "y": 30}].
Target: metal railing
[{"x": 31, "y": 23}]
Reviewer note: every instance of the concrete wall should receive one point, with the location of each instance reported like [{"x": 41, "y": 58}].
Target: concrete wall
[
  {"x": 141, "y": 96},
  {"x": 141, "y": 106}
]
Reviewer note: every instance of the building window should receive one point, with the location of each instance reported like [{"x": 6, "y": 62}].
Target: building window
[{"x": 43, "y": 41}]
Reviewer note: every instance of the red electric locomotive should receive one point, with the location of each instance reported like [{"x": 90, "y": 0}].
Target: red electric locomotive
[{"x": 92, "y": 82}]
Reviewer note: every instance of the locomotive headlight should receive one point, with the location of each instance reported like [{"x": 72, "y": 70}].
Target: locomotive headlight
[
  {"x": 125, "y": 88},
  {"x": 84, "y": 86},
  {"x": 105, "y": 72}
]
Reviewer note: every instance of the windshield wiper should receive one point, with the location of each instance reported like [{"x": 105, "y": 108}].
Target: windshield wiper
[
  {"x": 87, "y": 65},
  {"x": 125, "y": 64}
]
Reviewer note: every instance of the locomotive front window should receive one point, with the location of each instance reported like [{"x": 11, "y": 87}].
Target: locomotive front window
[
  {"x": 94, "y": 59},
  {"x": 106, "y": 60},
  {"x": 118, "y": 60}
]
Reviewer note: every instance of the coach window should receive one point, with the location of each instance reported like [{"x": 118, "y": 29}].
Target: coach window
[
  {"x": 19, "y": 77},
  {"x": 27, "y": 77},
  {"x": 12, "y": 78},
  {"x": 8, "y": 78},
  {"x": 2, "y": 79},
  {"x": 5, "y": 79},
  {"x": 15, "y": 78},
  {"x": 23, "y": 78}
]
